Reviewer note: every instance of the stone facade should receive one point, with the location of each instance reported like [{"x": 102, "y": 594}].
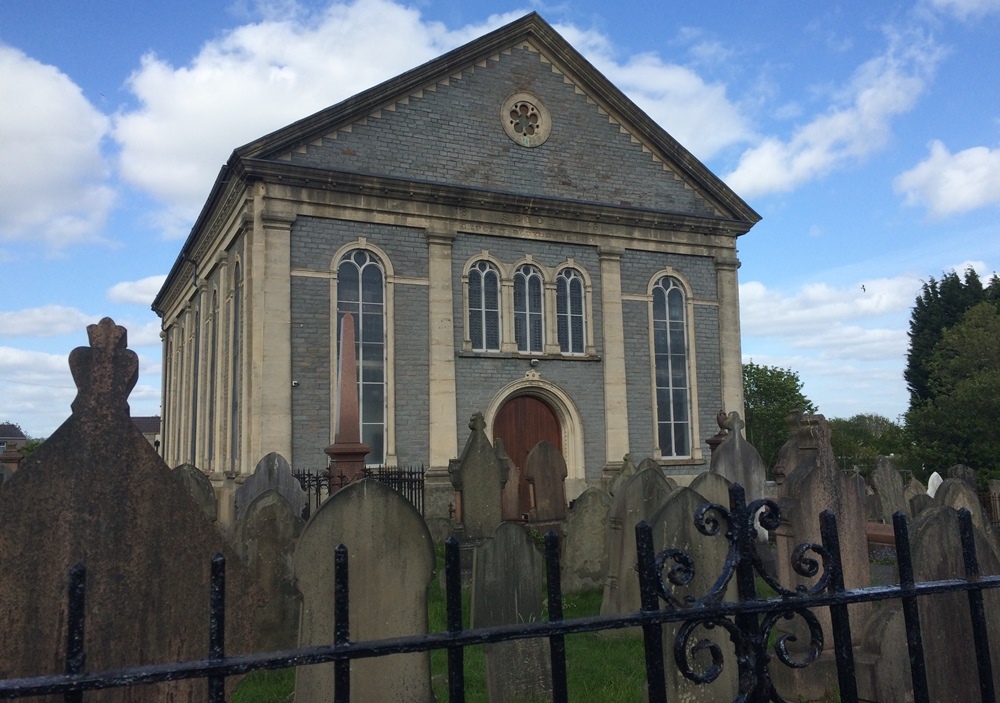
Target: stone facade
[{"x": 423, "y": 174}]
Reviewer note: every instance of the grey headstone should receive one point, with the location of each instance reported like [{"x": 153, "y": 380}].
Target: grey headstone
[
  {"x": 639, "y": 499},
  {"x": 272, "y": 473},
  {"x": 881, "y": 663},
  {"x": 922, "y": 502},
  {"x": 944, "y": 619},
  {"x": 265, "y": 537},
  {"x": 391, "y": 562},
  {"x": 956, "y": 493},
  {"x": 738, "y": 461},
  {"x": 545, "y": 469},
  {"x": 889, "y": 486},
  {"x": 966, "y": 473},
  {"x": 628, "y": 469},
  {"x": 96, "y": 492},
  {"x": 479, "y": 478},
  {"x": 197, "y": 484},
  {"x": 506, "y": 590},
  {"x": 933, "y": 483},
  {"x": 584, "y": 560},
  {"x": 649, "y": 463},
  {"x": 814, "y": 482},
  {"x": 510, "y": 499},
  {"x": 674, "y": 527},
  {"x": 913, "y": 488}
]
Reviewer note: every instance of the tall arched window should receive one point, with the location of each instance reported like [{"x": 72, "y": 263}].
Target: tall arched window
[
  {"x": 236, "y": 371},
  {"x": 484, "y": 307},
  {"x": 361, "y": 292},
  {"x": 671, "y": 362},
  {"x": 528, "y": 309},
  {"x": 569, "y": 312}
]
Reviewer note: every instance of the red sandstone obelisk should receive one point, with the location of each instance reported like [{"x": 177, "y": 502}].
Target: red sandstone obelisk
[{"x": 347, "y": 453}]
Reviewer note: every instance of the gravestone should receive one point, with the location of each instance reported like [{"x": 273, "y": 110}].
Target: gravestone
[
  {"x": 272, "y": 473},
  {"x": 97, "y": 492},
  {"x": 390, "y": 563},
  {"x": 197, "y": 484},
  {"x": 584, "y": 562},
  {"x": 510, "y": 498},
  {"x": 956, "y": 493},
  {"x": 738, "y": 461},
  {"x": 545, "y": 470},
  {"x": 913, "y": 488},
  {"x": 889, "y": 486},
  {"x": 814, "y": 483},
  {"x": 628, "y": 470},
  {"x": 649, "y": 463},
  {"x": 507, "y": 590},
  {"x": 674, "y": 527},
  {"x": 881, "y": 664},
  {"x": 933, "y": 482},
  {"x": 265, "y": 538},
  {"x": 966, "y": 473},
  {"x": 478, "y": 476},
  {"x": 639, "y": 499},
  {"x": 922, "y": 502}
]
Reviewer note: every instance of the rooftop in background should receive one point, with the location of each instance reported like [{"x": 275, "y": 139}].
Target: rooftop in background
[
  {"x": 147, "y": 424},
  {"x": 9, "y": 430}
]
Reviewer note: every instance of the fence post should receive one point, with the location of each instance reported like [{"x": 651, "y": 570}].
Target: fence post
[
  {"x": 746, "y": 589},
  {"x": 453, "y": 605},
  {"x": 979, "y": 635},
  {"x": 217, "y": 626},
  {"x": 75, "y": 622},
  {"x": 557, "y": 643},
  {"x": 341, "y": 625},
  {"x": 652, "y": 633},
  {"x": 839, "y": 616},
  {"x": 911, "y": 614}
]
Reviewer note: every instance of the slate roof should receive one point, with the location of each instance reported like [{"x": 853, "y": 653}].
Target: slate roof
[
  {"x": 10, "y": 431},
  {"x": 147, "y": 424}
]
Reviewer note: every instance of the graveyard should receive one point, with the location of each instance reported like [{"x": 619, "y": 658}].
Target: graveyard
[{"x": 646, "y": 589}]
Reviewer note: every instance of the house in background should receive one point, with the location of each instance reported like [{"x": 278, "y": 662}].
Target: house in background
[
  {"x": 149, "y": 425},
  {"x": 11, "y": 439},
  {"x": 512, "y": 235}
]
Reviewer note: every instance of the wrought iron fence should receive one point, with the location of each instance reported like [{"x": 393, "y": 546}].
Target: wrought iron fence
[
  {"x": 991, "y": 506},
  {"x": 407, "y": 481},
  {"x": 749, "y": 622}
]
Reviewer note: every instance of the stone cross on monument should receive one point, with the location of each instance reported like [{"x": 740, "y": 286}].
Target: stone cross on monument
[{"x": 347, "y": 453}]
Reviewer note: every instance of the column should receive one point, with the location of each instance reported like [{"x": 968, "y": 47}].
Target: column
[
  {"x": 730, "y": 352},
  {"x": 615, "y": 394}
]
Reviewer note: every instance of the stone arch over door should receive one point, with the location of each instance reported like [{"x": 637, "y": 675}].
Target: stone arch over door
[{"x": 562, "y": 407}]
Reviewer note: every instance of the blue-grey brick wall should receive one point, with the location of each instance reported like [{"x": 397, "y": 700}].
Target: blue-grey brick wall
[
  {"x": 638, "y": 268},
  {"x": 479, "y": 378},
  {"x": 412, "y": 375},
  {"x": 314, "y": 241},
  {"x": 453, "y": 134},
  {"x": 311, "y": 369}
]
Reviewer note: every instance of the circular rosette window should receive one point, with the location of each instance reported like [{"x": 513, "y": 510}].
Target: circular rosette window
[{"x": 525, "y": 119}]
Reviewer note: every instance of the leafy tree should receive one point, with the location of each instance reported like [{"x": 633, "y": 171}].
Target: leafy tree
[
  {"x": 30, "y": 446},
  {"x": 769, "y": 393},
  {"x": 957, "y": 422},
  {"x": 861, "y": 439}
]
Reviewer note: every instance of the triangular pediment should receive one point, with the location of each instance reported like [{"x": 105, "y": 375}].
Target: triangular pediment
[{"x": 444, "y": 122}]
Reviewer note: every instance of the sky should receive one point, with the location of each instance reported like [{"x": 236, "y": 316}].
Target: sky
[{"x": 867, "y": 135}]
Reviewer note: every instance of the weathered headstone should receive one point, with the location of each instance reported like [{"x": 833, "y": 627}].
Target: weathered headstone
[
  {"x": 96, "y": 492},
  {"x": 674, "y": 527},
  {"x": 889, "y": 486},
  {"x": 265, "y": 538},
  {"x": 815, "y": 483},
  {"x": 272, "y": 473},
  {"x": 545, "y": 470},
  {"x": 197, "y": 484},
  {"x": 649, "y": 463},
  {"x": 881, "y": 661},
  {"x": 479, "y": 478},
  {"x": 913, "y": 488},
  {"x": 922, "y": 502},
  {"x": 956, "y": 493},
  {"x": 390, "y": 563},
  {"x": 584, "y": 560},
  {"x": 738, "y": 461},
  {"x": 933, "y": 482},
  {"x": 966, "y": 473},
  {"x": 510, "y": 498},
  {"x": 506, "y": 590},
  {"x": 628, "y": 470},
  {"x": 639, "y": 499}
]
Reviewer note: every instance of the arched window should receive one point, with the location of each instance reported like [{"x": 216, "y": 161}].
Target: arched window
[
  {"x": 569, "y": 312},
  {"x": 673, "y": 403},
  {"x": 361, "y": 292},
  {"x": 528, "y": 309},
  {"x": 484, "y": 307}
]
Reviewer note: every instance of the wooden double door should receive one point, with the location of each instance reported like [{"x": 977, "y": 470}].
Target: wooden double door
[{"x": 523, "y": 422}]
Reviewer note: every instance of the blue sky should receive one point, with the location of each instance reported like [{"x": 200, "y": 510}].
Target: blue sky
[{"x": 867, "y": 135}]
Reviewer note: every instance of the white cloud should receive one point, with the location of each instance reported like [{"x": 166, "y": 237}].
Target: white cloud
[
  {"x": 965, "y": 9},
  {"x": 139, "y": 292},
  {"x": 45, "y": 321},
  {"x": 949, "y": 183},
  {"x": 36, "y": 389},
  {"x": 54, "y": 180},
  {"x": 881, "y": 89}
]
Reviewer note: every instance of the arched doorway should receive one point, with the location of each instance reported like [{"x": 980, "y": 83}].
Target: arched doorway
[{"x": 522, "y": 422}]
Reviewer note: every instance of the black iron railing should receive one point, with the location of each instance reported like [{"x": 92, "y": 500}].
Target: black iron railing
[
  {"x": 407, "y": 481},
  {"x": 749, "y": 622}
]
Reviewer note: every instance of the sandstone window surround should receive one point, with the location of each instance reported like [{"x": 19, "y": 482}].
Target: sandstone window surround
[
  {"x": 670, "y": 312},
  {"x": 527, "y": 308}
]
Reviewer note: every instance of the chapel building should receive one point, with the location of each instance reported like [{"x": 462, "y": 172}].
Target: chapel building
[{"x": 512, "y": 235}]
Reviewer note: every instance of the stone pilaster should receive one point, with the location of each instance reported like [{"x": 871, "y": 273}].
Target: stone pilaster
[
  {"x": 730, "y": 351},
  {"x": 615, "y": 396}
]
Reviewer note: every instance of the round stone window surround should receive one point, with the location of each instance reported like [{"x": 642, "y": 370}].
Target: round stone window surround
[{"x": 525, "y": 119}]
